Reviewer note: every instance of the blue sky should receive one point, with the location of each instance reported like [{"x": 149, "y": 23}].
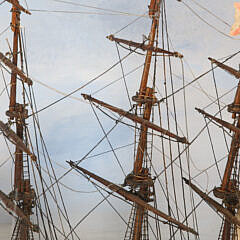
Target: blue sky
[{"x": 67, "y": 50}]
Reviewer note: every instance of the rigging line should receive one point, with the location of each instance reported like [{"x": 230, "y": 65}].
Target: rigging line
[
  {"x": 26, "y": 4},
  {"x": 210, "y": 12},
  {"x": 1, "y": 33},
  {"x": 200, "y": 76},
  {"x": 135, "y": 20},
  {"x": 5, "y": 83},
  {"x": 191, "y": 71},
  {"x": 93, "y": 7},
  {"x": 58, "y": 188},
  {"x": 214, "y": 155},
  {"x": 2, "y": 2},
  {"x": 39, "y": 170},
  {"x": 162, "y": 143},
  {"x": 84, "y": 85},
  {"x": 10, "y": 153},
  {"x": 118, "y": 213},
  {"x": 129, "y": 48},
  {"x": 192, "y": 211},
  {"x": 200, "y": 88},
  {"x": 58, "y": 91},
  {"x": 176, "y": 127},
  {"x": 5, "y": 161},
  {"x": 123, "y": 75},
  {"x": 80, "y": 99},
  {"x": 6, "y": 86},
  {"x": 168, "y": 196},
  {"x": 48, "y": 157},
  {"x": 112, "y": 193},
  {"x": 215, "y": 85},
  {"x": 188, "y": 157},
  {"x": 151, "y": 228},
  {"x": 179, "y": 167},
  {"x": 104, "y": 132},
  {"x": 53, "y": 195},
  {"x": 81, "y": 220},
  {"x": 99, "y": 154},
  {"x": 114, "y": 81},
  {"x": 92, "y": 156},
  {"x": 38, "y": 203},
  {"x": 226, "y": 93},
  {"x": 46, "y": 205},
  {"x": 109, "y": 193},
  {"x": 190, "y": 143},
  {"x": 131, "y": 126},
  {"x": 104, "y": 189},
  {"x": 173, "y": 177},
  {"x": 51, "y": 223},
  {"x": 210, "y": 25},
  {"x": 79, "y": 161},
  {"x": 85, "y": 13},
  {"x": 9, "y": 212},
  {"x": 65, "y": 186}
]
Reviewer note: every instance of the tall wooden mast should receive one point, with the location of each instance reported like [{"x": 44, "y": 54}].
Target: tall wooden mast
[
  {"x": 145, "y": 97},
  {"x": 22, "y": 194},
  {"x": 139, "y": 181},
  {"x": 228, "y": 191}
]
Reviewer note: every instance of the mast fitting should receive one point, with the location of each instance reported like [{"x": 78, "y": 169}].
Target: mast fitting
[
  {"x": 15, "y": 69},
  {"x": 144, "y": 47},
  {"x": 18, "y": 6}
]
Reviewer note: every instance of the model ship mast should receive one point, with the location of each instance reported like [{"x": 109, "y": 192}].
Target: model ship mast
[
  {"x": 22, "y": 194},
  {"x": 228, "y": 192},
  {"x": 140, "y": 181},
  {"x": 21, "y": 200}
]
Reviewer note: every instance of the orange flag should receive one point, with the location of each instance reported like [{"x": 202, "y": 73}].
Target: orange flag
[{"x": 235, "y": 30}]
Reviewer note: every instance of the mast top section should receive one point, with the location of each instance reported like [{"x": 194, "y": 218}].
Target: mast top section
[{"x": 16, "y": 4}]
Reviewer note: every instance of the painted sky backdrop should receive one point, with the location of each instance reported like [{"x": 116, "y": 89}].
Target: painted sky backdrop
[{"x": 66, "y": 50}]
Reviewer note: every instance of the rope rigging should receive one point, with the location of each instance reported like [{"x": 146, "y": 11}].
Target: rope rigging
[
  {"x": 171, "y": 154},
  {"x": 207, "y": 23}
]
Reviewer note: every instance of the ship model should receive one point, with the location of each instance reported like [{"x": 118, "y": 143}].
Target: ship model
[{"x": 157, "y": 185}]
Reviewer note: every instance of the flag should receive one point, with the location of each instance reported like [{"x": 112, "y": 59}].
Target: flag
[{"x": 235, "y": 30}]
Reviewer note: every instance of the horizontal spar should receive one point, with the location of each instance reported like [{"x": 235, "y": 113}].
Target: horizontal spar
[
  {"x": 218, "y": 207},
  {"x": 17, "y": 5},
  {"x": 15, "y": 69},
  {"x": 220, "y": 121},
  {"x": 18, "y": 211},
  {"x": 144, "y": 47},
  {"x": 134, "y": 198},
  {"x": 15, "y": 139},
  {"x": 228, "y": 69},
  {"x": 136, "y": 119}
]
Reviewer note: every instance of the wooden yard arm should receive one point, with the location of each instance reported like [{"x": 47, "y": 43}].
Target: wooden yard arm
[
  {"x": 228, "y": 69},
  {"x": 15, "y": 139},
  {"x": 15, "y": 69},
  {"x": 15, "y": 209},
  {"x": 18, "y": 6},
  {"x": 220, "y": 121},
  {"x": 218, "y": 207},
  {"x": 136, "y": 119},
  {"x": 144, "y": 47},
  {"x": 132, "y": 197}
]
